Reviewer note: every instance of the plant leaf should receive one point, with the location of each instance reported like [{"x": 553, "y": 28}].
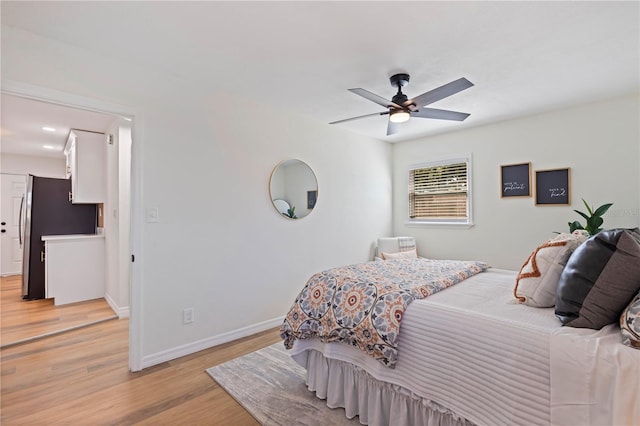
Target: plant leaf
[
  {"x": 582, "y": 214},
  {"x": 602, "y": 209},
  {"x": 593, "y": 225},
  {"x": 587, "y": 206},
  {"x": 574, "y": 225}
]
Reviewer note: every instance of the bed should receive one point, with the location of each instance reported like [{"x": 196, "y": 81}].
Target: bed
[{"x": 470, "y": 353}]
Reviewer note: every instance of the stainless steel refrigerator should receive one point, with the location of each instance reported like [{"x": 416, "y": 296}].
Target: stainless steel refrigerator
[{"x": 49, "y": 211}]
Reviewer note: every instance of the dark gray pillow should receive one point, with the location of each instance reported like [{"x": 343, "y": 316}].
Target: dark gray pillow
[{"x": 600, "y": 279}]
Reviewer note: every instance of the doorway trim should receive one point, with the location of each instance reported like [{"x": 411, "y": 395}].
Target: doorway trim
[{"x": 12, "y": 87}]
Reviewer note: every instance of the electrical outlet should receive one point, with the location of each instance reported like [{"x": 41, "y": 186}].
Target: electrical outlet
[{"x": 187, "y": 316}]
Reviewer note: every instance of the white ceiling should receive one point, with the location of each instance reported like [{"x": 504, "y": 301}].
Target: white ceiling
[
  {"x": 23, "y": 119},
  {"x": 523, "y": 57}
]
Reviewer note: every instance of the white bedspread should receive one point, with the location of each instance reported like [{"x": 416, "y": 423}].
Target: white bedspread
[{"x": 471, "y": 349}]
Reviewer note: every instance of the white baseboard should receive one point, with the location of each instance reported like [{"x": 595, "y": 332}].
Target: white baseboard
[
  {"x": 122, "y": 312},
  {"x": 177, "y": 352}
]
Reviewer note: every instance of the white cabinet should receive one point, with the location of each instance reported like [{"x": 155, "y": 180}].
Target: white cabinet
[
  {"x": 74, "y": 267},
  {"x": 86, "y": 154}
]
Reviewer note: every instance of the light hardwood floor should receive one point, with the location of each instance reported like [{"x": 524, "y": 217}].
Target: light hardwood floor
[
  {"x": 26, "y": 319},
  {"x": 81, "y": 378}
]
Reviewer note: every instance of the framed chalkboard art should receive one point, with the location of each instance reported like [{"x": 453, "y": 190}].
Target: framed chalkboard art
[
  {"x": 515, "y": 180},
  {"x": 552, "y": 186}
]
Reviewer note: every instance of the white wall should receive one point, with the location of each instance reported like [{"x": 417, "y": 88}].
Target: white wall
[
  {"x": 37, "y": 166},
  {"x": 219, "y": 246},
  {"x": 117, "y": 218},
  {"x": 111, "y": 246},
  {"x": 124, "y": 214},
  {"x": 599, "y": 142}
]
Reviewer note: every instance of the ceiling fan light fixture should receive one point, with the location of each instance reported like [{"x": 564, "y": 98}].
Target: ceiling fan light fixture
[
  {"x": 400, "y": 108},
  {"x": 399, "y": 117}
]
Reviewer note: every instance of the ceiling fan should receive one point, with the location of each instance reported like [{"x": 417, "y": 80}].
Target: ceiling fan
[{"x": 400, "y": 108}]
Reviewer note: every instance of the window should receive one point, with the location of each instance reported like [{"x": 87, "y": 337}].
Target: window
[{"x": 440, "y": 192}]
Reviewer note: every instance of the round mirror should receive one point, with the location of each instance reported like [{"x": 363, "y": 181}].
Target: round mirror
[{"x": 294, "y": 189}]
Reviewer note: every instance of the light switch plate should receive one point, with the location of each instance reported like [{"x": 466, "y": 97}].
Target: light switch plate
[{"x": 151, "y": 215}]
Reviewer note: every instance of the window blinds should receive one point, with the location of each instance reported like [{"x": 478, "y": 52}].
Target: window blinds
[{"x": 438, "y": 192}]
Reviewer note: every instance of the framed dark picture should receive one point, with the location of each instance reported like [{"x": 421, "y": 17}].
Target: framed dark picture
[
  {"x": 312, "y": 196},
  {"x": 515, "y": 180},
  {"x": 553, "y": 186}
]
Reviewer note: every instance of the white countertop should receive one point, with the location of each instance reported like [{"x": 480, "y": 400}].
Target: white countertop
[{"x": 71, "y": 237}]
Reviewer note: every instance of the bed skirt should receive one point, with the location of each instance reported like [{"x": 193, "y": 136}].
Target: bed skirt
[{"x": 376, "y": 403}]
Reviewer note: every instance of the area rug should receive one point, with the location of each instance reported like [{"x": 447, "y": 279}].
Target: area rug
[{"x": 270, "y": 385}]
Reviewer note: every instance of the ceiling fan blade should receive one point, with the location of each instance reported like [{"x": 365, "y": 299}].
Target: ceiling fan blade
[
  {"x": 440, "y": 114},
  {"x": 374, "y": 98},
  {"x": 359, "y": 117},
  {"x": 442, "y": 92},
  {"x": 392, "y": 128}
]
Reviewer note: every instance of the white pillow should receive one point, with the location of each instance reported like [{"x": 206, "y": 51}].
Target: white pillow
[
  {"x": 537, "y": 281},
  {"x": 387, "y": 245},
  {"x": 394, "y": 245},
  {"x": 409, "y": 254}
]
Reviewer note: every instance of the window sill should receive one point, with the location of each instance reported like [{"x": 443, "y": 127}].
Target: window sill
[{"x": 452, "y": 225}]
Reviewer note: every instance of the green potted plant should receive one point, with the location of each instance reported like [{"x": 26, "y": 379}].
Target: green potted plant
[
  {"x": 292, "y": 213},
  {"x": 594, "y": 219}
]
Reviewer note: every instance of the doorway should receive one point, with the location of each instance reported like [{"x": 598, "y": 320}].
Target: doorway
[{"x": 21, "y": 161}]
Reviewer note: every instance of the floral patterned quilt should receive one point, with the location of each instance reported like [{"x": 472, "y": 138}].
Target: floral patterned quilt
[{"x": 362, "y": 305}]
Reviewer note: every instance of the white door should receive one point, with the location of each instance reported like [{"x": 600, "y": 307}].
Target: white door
[{"x": 11, "y": 201}]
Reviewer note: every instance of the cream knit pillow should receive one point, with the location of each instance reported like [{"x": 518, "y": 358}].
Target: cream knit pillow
[
  {"x": 410, "y": 254},
  {"x": 537, "y": 281}
]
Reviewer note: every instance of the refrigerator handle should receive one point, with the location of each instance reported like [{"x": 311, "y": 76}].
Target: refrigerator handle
[{"x": 20, "y": 221}]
